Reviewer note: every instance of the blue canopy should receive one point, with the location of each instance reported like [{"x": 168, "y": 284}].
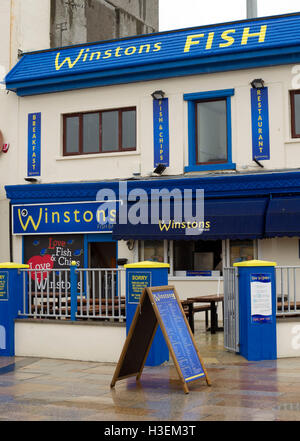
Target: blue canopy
[
  {"x": 283, "y": 217},
  {"x": 228, "y": 218}
]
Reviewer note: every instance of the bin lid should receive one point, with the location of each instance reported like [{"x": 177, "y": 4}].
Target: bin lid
[
  {"x": 13, "y": 265},
  {"x": 255, "y": 263},
  {"x": 147, "y": 264}
]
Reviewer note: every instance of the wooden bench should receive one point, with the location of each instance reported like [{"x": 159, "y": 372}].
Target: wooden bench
[
  {"x": 84, "y": 306},
  {"x": 189, "y": 310}
]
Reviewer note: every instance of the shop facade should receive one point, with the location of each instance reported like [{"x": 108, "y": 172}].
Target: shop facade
[{"x": 89, "y": 125}]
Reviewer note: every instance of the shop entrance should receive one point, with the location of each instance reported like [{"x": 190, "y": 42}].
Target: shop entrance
[{"x": 102, "y": 255}]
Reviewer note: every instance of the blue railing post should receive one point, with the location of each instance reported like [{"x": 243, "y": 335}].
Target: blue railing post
[{"x": 73, "y": 282}]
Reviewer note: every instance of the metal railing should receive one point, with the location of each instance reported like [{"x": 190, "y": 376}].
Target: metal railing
[
  {"x": 231, "y": 309},
  {"x": 287, "y": 290},
  {"x": 99, "y": 293}
]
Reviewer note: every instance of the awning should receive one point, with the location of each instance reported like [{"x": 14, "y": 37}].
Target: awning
[
  {"x": 227, "y": 218},
  {"x": 283, "y": 217}
]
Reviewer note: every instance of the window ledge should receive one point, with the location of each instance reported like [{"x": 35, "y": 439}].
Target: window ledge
[
  {"x": 195, "y": 168},
  {"x": 97, "y": 155},
  {"x": 292, "y": 141}
]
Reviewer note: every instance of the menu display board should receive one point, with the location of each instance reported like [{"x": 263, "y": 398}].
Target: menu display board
[
  {"x": 160, "y": 306},
  {"x": 178, "y": 334}
]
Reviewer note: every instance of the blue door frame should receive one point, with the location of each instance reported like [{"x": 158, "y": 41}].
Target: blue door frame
[{"x": 98, "y": 237}]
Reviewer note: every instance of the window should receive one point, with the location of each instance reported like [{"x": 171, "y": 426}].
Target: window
[
  {"x": 190, "y": 258},
  {"x": 152, "y": 250},
  {"x": 241, "y": 250},
  {"x": 199, "y": 257},
  {"x": 295, "y": 113},
  {"x": 209, "y": 130},
  {"x": 99, "y": 132}
]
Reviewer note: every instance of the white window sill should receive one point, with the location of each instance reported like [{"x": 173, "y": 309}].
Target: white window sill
[
  {"x": 97, "y": 155},
  {"x": 292, "y": 141}
]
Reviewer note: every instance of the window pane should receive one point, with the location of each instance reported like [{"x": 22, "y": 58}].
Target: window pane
[
  {"x": 241, "y": 250},
  {"x": 128, "y": 129},
  {"x": 297, "y": 113},
  {"x": 211, "y": 131},
  {"x": 72, "y": 134},
  {"x": 197, "y": 256},
  {"x": 91, "y": 133},
  {"x": 110, "y": 131},
  {"x": 154, "y": 250}
]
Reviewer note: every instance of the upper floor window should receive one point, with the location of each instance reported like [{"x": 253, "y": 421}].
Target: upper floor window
[
  {"x": 99, "y": 132},
  {"x": 295, "y": 113},
  {"x": 209, "y": 130}
]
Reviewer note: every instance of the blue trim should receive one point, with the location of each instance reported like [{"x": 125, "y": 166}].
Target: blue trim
[
  {"x": 208, "y": 94},
  {"x": 215, "y": 186},
  {"x": 191, "y": 98},
  {"x": 195, "y": 168},
  {"x": 99, "y": 237}
]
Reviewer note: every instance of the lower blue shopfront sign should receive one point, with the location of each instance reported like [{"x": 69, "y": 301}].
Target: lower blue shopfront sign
[{"x": 69, "y": 217}]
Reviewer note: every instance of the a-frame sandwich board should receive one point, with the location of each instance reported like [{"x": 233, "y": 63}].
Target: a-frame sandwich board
[{"x": 160, "y": 305}]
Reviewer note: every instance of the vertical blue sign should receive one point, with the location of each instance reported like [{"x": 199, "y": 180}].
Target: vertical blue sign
[
  {"x": 161, "y": 131},
  {"x": 3, "y": 286},
  {"x": 34, "y": 144},
  {"x": 260, "y": 124}
]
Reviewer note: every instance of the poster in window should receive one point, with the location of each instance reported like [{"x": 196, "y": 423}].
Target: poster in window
[{"x": 52, "y": 252}]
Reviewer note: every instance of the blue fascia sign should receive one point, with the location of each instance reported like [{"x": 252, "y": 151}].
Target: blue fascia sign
[
  {"x": 158, "y": 55},
  {"x": 69, "y": 217}
]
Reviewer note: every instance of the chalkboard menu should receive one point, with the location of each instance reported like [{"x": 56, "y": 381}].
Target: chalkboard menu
[{"x": 160, "y": 305}]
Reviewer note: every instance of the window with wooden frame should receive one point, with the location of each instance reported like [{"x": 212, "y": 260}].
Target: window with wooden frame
[
  {"x": 104, "y": 131},
  {"x": 295, "y": 113}
]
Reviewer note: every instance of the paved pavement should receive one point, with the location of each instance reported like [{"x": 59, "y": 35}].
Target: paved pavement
[{"x": 35, "y": 389}]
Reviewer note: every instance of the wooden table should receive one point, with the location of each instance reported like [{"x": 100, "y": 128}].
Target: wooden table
[{"x": 213, "y": 299}]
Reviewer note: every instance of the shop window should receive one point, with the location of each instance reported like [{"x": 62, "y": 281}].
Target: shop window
[
  {"x": 99, "y": 132},
  {"x": 295, "y": 113},
  {"x": 241, "y": 250},
  {"x": 152, "y": 250},
  {"x": 209, "y": 130},
  {"x": 198, "y": 257}
]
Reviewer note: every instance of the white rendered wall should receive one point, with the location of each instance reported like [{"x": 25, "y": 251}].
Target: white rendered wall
[{"x": 70, "y": 341}]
